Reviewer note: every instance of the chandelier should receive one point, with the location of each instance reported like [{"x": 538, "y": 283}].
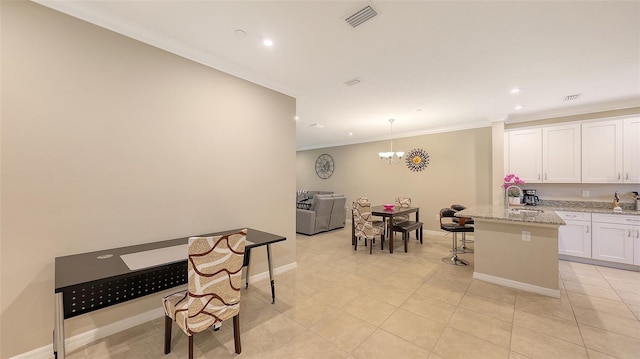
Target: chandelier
[{"x": 391, "y": 157}]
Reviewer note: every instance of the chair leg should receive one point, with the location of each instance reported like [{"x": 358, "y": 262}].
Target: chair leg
[
  {"x": 454, "y": 260},
  {"x": 464, "y": 248},
  {"x": 405, "y": 239},
  {"x": 190, "y": 346},
  {"x": 355, "y": 244},
  {"x": 168, "y": 322},
  {"x": 236, "y": 333}
]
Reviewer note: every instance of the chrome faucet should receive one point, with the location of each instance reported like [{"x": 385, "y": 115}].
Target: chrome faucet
[{"x": 506, "y": 196}]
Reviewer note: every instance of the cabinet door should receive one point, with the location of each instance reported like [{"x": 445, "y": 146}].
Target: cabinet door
[
  {"x": 631, "y": 153},
  {"x": 636, "y": 245},
  {"x": 612, "y": 242},
  {"x": 602, "y": 152},
  {"x": 561, "y": 154},
  {"x": 574, "y": 239},
  {"x": 523, "y": 156}
]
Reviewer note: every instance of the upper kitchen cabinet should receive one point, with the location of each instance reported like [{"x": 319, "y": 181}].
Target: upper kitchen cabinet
[
  {"x": 548, "y": 154},
  {"x": 610, "y": 151},
  {"x": 561, "y": 154},
  {"x": 523, "y": 154},
  {"x": 631, "y": 153}
]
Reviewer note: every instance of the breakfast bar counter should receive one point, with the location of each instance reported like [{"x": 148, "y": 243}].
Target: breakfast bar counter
[{"x": 517, "y": 248}]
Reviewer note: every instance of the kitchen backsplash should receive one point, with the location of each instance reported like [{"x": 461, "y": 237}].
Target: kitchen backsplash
[
  {"x": 586, "y": 204},
  {"x": 574, "y": 192}
]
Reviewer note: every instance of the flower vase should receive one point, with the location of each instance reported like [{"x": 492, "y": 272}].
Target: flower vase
[{"x": 514, "y": 200}]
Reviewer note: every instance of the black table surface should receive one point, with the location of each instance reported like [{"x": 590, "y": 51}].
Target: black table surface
[
  {"x": 381, "y": 211},
  {"x": 82, "y": 268}
]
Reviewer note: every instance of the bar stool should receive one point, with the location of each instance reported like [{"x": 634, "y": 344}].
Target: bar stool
[
  {"x": 468, "y": 221},
  {"x": 454, "y": 228}
]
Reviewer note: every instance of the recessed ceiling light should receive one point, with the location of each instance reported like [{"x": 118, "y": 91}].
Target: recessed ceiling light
[
  {"x": 267, "y": 42},
  {"x": 350, "y": 133},
  {"x": 296, "y": 118},
  {"x": 518, "y": 107},
  {"x": 240, "y": 33},
  {"x": 515, "y": 90}
]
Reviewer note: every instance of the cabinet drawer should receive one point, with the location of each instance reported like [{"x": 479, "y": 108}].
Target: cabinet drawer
[
  {"x": 574, "y": 216},
  {"x": 616, "y": 218}
]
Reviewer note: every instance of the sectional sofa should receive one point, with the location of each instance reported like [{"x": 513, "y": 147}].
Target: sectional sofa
[{"x": 320, "y": 211}]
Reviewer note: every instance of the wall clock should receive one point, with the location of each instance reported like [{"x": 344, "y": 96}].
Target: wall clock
[
  {"x": 417, "y": 159},
  {"x": 324, "y": 166}
]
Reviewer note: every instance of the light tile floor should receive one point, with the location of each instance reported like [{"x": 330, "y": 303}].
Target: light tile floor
[{"x": 341, "y": 303}]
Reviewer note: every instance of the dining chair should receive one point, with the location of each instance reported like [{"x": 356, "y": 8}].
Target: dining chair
[
  {"x": 364, "y": 226},
  {"x": 402, "y": 202},
  {"x": 213, "y": 292}
]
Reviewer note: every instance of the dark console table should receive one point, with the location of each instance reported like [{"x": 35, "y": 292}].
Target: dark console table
[{"x": 91, "y": 281}]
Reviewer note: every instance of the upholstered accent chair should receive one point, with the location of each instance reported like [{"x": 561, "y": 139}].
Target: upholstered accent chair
[
  {"x": 364, "y": 226},
  {"x": 213, "y": 294}
]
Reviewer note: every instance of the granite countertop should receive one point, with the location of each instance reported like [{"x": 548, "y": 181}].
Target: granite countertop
[
  {"x": 585, "y": 206},
  {"x": 522, "y": 214}
]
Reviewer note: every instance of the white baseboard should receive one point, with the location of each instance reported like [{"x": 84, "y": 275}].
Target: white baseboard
[
  {"x": 91, "y": 336},
  {"x": 517, "y": 285}
]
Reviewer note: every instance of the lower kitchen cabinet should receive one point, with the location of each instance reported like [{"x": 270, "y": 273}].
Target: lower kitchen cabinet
[
  {"x": 614, "y": 236},
  {"x": 574, "y": 238}
]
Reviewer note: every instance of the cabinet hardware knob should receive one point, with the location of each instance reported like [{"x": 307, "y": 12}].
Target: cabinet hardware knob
[
  {"x": 618, "y": 175},
  {"x": 587, "y": 227}
]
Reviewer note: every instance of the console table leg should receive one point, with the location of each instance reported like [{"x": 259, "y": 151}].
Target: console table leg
[
  {"x": 247, "y": 259},
  {"x": 273, "y": 284},
  {"x": 58, "y": 331}
]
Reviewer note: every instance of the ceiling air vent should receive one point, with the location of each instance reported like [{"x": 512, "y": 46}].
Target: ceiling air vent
[
  {"x": 360, "y": 16},
  {"x": 572, "y": 97},
  {"x": 352, "y": 82},
  {"x": 316, "y": 125}
]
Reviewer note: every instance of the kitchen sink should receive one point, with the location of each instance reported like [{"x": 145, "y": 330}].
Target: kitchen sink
[{"x": 527, "y": 212}]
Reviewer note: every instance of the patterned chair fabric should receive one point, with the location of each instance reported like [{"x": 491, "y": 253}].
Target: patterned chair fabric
[
  {"x": 214, "y": 282},
  {"x": 363, "y": 224},
  {"x": 402, "y": 202}
]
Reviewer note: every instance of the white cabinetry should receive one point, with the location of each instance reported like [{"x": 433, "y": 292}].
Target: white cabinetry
[
  {"x": 574, "y": 238},
  {"x": 611, "y": 151},
  {"x": 631, "y": 144},
  {"x": 523, "y": 154},
  {"x": 561, "y": 154},
  {"x": 614, "y": 236},
  {"x": 544, "y": 155}
]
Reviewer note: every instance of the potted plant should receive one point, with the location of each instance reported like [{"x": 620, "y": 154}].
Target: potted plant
[{"x": 512, "y": 193}]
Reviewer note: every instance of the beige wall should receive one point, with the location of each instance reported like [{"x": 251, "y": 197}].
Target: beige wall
[
  {"x": 108, "y": 142},
  {"x": 459, "y": 171}
]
